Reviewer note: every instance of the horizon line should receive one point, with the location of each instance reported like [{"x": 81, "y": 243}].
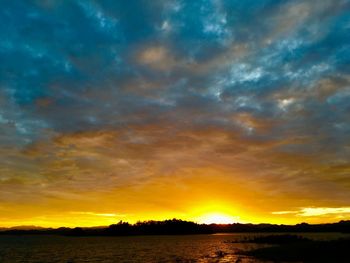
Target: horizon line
[{"x": 145, "y": 221}]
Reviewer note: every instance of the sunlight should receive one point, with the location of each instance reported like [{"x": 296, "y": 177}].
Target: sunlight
[{"x": 217, "y": 218}]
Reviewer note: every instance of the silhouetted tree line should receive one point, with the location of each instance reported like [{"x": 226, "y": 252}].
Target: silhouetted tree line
[
  {"x": 167, "y": 227},
  {"x": 180, "y": 227}
]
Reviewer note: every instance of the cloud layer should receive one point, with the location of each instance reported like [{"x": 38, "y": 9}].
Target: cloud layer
[{"x": 114, "y": 98}]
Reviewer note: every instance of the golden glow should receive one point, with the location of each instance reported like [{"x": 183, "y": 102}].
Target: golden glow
[
  {"x": 203, "y": 195},
  {"x": 317, "y": 211},
  {"x": 217, "y": 218}
]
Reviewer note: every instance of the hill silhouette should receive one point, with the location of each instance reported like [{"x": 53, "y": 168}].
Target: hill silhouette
[{"x": 179, "y": 227}]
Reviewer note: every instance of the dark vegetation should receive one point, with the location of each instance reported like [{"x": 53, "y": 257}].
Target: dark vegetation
[
  {"x": 293, "y": 248},
  {"x": 179, "y": 227}
]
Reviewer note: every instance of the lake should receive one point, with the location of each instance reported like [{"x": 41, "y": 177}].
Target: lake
[{"x": 143, "y": 249}]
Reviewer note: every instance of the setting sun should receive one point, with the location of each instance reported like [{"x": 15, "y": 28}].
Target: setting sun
[{"x": 217, "y": 218}]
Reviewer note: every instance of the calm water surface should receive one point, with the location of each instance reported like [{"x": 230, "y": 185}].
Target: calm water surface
[{"x": 143, "y": 249}]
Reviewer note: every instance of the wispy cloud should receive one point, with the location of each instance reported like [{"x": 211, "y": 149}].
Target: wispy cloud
[
  {"x": 98, "y": 214},
  {"x": 316, "y": 211}
]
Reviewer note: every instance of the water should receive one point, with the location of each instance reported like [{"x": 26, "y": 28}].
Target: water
[{"x": 143, "y": 249}]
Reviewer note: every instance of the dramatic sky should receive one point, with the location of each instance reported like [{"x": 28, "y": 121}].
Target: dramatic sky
[{"x": 134, "y": 110}]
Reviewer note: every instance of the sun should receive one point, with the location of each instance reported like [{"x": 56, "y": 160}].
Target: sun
[{"x": 217, "y": 218}]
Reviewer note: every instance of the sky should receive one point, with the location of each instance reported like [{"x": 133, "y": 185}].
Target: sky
[{"x": 203, "y": 110}]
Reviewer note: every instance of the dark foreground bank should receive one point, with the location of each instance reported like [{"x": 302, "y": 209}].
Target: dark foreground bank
[{"x": 293, "y": 248}]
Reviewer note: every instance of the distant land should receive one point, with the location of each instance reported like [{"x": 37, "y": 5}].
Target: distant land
[{"x": 176, "y": 227}]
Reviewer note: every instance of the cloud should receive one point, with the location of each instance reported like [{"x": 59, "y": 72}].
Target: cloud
[
  {"x": 107, "y": 96},
  {"x": 98, "y": 214},
  {"x": 317, "y": 211},
  {"x": 156, "y": 57}
]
